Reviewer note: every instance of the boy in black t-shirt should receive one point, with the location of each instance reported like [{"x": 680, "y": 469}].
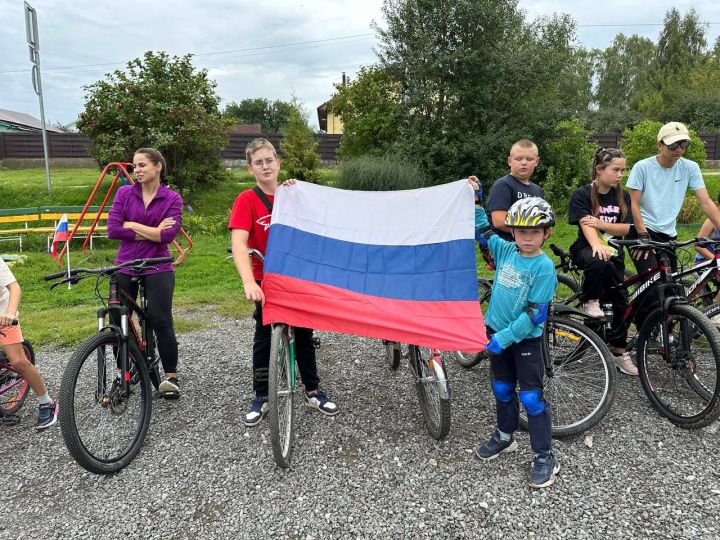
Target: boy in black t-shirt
[
  {"x": 512, "y": 187},
  {"x": 601, "y": 210}
]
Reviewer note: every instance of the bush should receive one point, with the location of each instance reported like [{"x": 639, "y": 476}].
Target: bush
[
  {"x": 197, "y": 224},
  {"x": 691, "y": 211},
  {"x": 569, "y": 160},
  {"x": 388, "y": 173},
  {"x": 640, "y": 142},
  {"x": 298, "y": 146}
]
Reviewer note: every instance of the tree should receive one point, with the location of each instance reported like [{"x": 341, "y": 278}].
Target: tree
[
  {"x": 371, "y": 112},
  {"x": 473, "y": 78},
  {"x": 271, "y": 115},
  {"x": 681, "y": 42},
  {"x": 161, "y": 102},
  {"x": 298, "y": 145},
  {"x": 623, "y": 72}
]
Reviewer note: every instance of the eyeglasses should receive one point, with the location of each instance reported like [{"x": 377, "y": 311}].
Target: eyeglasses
[
  {"x": 259, "y": 163},
  {"x": 679, "y": 144}
]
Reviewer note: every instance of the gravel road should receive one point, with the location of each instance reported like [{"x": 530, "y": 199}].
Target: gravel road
[{"x": 370, "y": 472}]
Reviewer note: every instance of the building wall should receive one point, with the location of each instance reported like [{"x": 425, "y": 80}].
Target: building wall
[{"x": 334, "y": 124}]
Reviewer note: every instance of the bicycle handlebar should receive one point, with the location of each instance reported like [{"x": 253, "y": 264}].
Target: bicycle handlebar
[
  {"x": 137, "y": 264},
  {"x": 673, "y": 244}
]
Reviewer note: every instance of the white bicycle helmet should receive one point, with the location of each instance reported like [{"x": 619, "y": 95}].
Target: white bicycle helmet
[{"x": 530, "y": 213}]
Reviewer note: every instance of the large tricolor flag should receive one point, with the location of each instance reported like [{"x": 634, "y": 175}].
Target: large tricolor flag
[
  {"x": 61, "y": 235},
  {"x": 393, "y": 265}
]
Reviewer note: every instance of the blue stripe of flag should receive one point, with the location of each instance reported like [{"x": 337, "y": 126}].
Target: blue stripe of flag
[{"x": 429, "y": 272}]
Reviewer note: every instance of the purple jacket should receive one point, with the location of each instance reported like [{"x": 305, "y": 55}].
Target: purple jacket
[{"x": 129, "y": 206}]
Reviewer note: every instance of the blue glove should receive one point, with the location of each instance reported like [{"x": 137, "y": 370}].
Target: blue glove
[
  {"x": 493, "y": 346},
  {"x": 481, "y": 240},
  {"x": 479, "y": 193},
  {"x": 541, "y": 315}
]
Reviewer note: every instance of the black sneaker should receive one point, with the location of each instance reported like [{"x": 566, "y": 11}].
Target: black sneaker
[
  {"x": 544, "y": 469},
  {"x": 47, "y": 415},
  {"x": 169, "y": 388},
  {"x": 258, "y": 409},
  {"x": 496, "y": 446}
]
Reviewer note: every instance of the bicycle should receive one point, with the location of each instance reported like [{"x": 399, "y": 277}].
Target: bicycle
[
  {"x": 14, "y": 388},
  {"x": 677, "y": 347},
  {"x": 105, "y": 393}
]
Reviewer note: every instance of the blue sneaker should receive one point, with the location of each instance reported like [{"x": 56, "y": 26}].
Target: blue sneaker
[
  {"x": 319, "y": 400},
  {"x": 496, "y": 446},
  {"x": 47, "y": 415},
  {"x": 544, "y": 469},
  {"x": 258, "y": 408}
]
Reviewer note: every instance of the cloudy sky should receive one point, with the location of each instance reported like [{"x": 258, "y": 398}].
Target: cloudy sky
[{"x": 250, "y": 48}]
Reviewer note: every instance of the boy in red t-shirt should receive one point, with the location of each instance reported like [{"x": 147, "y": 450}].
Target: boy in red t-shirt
[{"x": 249, "y": 224}]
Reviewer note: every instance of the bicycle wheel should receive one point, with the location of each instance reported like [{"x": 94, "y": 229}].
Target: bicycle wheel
[
  {"x": 682, "y": 379},
  {"x": 392, "y": 354},
  {"x": 17, "y": 388},
  {"x": 280, "y": 396},
  {"x": 566, "y": 289},
  {"x": 472, "y": 359},
  {"x": 579, "y": 377},
  {"x": 433, "y": 390},
  {"x": 102, "y": 429}
]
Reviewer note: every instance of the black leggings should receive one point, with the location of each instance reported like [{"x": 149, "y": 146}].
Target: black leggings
[{"x": 159, "y": 293}]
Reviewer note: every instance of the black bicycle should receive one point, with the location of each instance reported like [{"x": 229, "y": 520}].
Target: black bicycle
[
  {"x": 677, "y": 347},
  {"x": 105, "y": 394}
]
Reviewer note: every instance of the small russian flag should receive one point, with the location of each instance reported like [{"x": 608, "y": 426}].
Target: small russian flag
[{"x": 61, "y": 235}]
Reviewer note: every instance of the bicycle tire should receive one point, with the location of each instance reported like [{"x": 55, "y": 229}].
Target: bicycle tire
[
  {"x": 581, "y": 387},
  {"x": 280, "y": 396},
  {"x": 392, "y": 354},
  {"x": 12, "y": 400},
  {"x": 87, "y": 422},
  {"x": 567, "y": 288},
  {"x": 682, "y": 385},
  {"x": 435, "y": 407}
]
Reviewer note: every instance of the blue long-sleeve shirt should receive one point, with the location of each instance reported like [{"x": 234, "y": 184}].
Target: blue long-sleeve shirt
[{"x": 518, "y": 281}]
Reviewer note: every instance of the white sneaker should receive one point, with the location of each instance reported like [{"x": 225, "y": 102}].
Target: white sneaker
[
  {"x": 625, "y": 364},
  {"x": 592, "y": 308}
]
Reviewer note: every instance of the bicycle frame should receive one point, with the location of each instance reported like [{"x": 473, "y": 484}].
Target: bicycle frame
[{"x": 709, "y": 271}]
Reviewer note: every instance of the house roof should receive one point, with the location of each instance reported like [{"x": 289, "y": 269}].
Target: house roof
[{"x": 24, "y": 121}]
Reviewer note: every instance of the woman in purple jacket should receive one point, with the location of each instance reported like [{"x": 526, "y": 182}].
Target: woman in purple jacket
[{"x": 146, "y": 217}]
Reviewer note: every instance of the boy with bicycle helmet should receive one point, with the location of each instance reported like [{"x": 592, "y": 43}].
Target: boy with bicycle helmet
[{"x": 524, "y": 285}]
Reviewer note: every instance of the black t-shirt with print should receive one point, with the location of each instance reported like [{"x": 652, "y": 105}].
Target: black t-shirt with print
[
  {"x": 504, "y": 192},
  {"x": 609, "y": 211}
]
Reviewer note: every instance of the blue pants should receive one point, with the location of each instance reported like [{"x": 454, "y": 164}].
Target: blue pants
[{"x": 522, "y": 365}]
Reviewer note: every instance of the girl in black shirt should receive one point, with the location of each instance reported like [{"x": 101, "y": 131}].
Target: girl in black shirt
[{"x": 601, "y": 210}]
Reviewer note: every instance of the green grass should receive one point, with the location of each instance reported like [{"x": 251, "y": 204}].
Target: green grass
[{"x": 206, "y": 282}]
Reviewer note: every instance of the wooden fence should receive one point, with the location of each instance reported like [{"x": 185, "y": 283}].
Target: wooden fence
[
  {"x": 75, "y": 145},
  {"x": 28, "y": 145}
]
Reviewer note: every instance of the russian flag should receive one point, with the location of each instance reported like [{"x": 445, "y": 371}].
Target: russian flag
[
  {"x": 61, "y": 235},
  {"x": 394, "y": 265}
]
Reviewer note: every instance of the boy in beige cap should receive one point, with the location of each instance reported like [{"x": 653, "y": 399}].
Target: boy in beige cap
[{"x": 657, "y": 187}]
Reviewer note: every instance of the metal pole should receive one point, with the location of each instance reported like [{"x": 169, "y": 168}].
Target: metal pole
[{"x": 33, "y": 39}]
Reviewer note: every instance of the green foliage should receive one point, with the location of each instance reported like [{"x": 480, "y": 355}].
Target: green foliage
[
  {"x": 641, "y": 142},
  {"x": 198, "y": 224},
  {"x": 691, "y": 211},
  {"x": 272, "y": 116},
  {"x": 370, "y": 109},
  {"x": 371, "y": 173},
  {"x": 300, "y": 158},
  {"x": 160, "y": 102},
  {"x": 473, "y": 77},
  {"x": 569, "y": 159}
]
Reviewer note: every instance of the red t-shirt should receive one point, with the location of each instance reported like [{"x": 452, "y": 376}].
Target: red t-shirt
[{"x": 250, "y": 214}]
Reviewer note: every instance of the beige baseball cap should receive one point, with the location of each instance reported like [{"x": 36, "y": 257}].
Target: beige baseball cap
[{"x": 673, "y": 132}]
